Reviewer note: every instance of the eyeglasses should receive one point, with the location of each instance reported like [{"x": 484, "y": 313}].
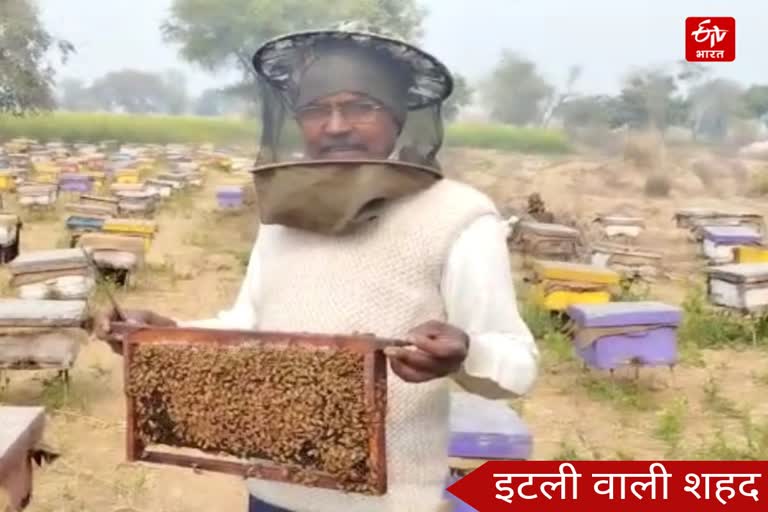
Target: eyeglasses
[{"x": 354, "y": 112}]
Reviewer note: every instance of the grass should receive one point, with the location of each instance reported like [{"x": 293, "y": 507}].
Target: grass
[
  {"x": 97, "y": 127},
  {"x": 92, "y": 127},
  {"x": 705, "y": 327},
  {"x": 670, "y": 427}
]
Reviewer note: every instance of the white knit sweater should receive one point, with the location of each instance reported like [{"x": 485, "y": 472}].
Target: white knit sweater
[{"x": 384, "y": 280}]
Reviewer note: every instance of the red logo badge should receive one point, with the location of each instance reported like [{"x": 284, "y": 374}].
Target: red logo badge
[{"x": 710, "y": 39}]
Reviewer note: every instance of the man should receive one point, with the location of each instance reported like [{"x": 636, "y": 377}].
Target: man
[{"x": 401, "y": 253}]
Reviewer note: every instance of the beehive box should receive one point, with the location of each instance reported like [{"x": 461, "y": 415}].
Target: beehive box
[
  {"x": 300, "y": 408},
  {"x": 161, "y": 187},
  {"x": 620, "y": 225},
  {"x": 609, "y": 336},
  {"x": 718, "y": 242},
  {"x": 686, "y": 217},
  {"x": 21, "y": 429},
  {"x": 7, "y": 180},
  {"x": 114, "y": 252},
  {"x": 746, "y": 220},
  {"x": 92, "y": 209},
  {"x": 60, "y": 274},
  {"x": 558, "y": 285},
  {"x": 483, "y": 430},
  {"x": 742, "y": 287},
  {"x": 116, "y": 188},
  {"x": 179, "y": 180},
  {"x": 628, "y": 260},
  {"x": 137, "y": 203},
  {"x": 230, "y": 197},
  {"x": 144, "y": 229},
  {"x": 41, "y": 334},
  {"x": 546, "y": 241},
  {"x": 79, "y": 224},
  {"x": 71, "y": 182},
  {"x": 127, "y": 176},
  {"x": 751, "y": 254},
  {"x": 37, "y": 194}
]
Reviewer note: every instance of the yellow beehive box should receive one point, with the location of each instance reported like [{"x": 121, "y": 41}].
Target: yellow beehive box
[
  {"x": 127, "y": 176},
  {"x": 145, "y": 229},
  {"x": 47, "y": 177},
  {"x": 751, "y": 254},
  {"x": 145, "y": 164},
  {"x": 7, "y": 180},
  {"x": 579, "y": 272},
  {"x": 45, "y": 167},
  {"x": 98, "y": 177},
  {"x": 559, "y": 285}
]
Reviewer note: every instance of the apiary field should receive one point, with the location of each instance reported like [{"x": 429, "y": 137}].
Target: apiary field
[{"x": 709, "y": 406}]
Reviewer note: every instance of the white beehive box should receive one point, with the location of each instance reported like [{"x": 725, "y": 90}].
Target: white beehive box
[
  {"x": 742, "y": 287},
  {"x": 58, "y": 274}
]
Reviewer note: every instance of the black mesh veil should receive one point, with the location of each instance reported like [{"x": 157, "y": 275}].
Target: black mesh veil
[{"x": 281, "y": 62}]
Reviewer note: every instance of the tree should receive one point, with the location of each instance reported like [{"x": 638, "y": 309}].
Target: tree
[
  {"x": 714, "y": 105},
  {"x": 26, "y": 76},
  {"x": 646, "y": 99},
  {"x": 756, "y": 101},
  {"x": 224, "y": 34},
  {"x": 74, "y": 95},
  {"x": 574, "y": 73},
  {"x": 217, "y": 102},
  {"x": 586, "y": 111},
  {"x": 140, "y": 92},
  {"x": 461, "y": 97},
  {"x": 516, "y": 92},
  {"x": 176, "y": 95}
]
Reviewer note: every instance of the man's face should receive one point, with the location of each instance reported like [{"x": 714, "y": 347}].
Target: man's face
[{"x": 347, "y": 126}]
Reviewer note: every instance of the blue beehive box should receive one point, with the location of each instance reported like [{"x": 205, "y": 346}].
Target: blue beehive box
[{"x": 483, "y": 430}]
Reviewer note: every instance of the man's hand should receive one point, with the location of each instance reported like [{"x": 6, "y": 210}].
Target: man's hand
[
  {"x": 439, "y": 350},
  {"x": 102, "y": 325}
]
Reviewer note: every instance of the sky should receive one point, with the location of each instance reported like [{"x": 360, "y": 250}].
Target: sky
[{"x": 607, "y": 38}]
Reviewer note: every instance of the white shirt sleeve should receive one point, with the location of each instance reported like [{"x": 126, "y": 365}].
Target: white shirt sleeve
[
  {"x": 244, "y": 313},
  {"x": 480, "y": 298}
]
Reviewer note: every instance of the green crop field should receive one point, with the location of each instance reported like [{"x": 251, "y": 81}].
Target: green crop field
[{"x": 72, "y": 127}]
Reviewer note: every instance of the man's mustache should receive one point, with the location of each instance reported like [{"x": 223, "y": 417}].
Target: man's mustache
[{"x": 334, "y": 146}]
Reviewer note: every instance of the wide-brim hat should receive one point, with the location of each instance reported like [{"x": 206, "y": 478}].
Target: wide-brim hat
[{"x": 280, "y": 61}]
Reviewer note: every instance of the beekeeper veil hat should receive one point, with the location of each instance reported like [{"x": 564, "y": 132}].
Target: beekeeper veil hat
[{"x": 299, "y": 68}]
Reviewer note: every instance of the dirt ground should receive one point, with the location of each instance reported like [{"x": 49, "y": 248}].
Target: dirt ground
[{"x": 709, "y": 407}]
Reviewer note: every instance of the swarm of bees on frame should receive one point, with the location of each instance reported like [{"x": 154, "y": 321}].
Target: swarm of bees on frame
[{"x": 290, "y": 406}]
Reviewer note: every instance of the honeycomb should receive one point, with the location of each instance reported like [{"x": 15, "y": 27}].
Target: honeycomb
[{"x": 287, "y": 405}]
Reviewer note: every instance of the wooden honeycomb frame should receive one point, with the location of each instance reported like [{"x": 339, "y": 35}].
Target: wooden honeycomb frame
[{"x": 375, "y": 384}]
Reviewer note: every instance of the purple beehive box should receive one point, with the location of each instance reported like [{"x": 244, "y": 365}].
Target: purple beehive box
[
  {"x": 615, "y": 334},
  {"x": 229, "y": 197},
  {"x": 69, "y": 182},
  {"x": 731, "y": 235},
  {"x": 483, "y": 430}
]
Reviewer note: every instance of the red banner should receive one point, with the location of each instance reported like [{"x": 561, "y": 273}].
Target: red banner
[{"x": 657, "y": 486}]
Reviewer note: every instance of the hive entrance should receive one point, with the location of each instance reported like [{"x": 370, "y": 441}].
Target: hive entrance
[{"x": 297, "y": 410}]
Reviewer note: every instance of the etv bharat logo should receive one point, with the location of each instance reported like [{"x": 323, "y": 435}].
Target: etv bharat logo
[{"x": 710, "y": 39}]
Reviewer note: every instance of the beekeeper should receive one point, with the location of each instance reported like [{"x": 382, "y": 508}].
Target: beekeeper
[{"x": 384, "y": 245}]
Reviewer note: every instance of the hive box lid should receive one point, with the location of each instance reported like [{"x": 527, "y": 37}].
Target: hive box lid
[
  {"x": 578, "y": 272},
  {"x": 548, "y": 229},
  {"x": 731, "y": 234},
  {"x": 621, "y": 220},
  {"x": 20, "y": 429},
  {"x": 486, "y": 429},
  {"x": 617, "y": 314},
  {"x": 55, "y": 259},
  {"x": 36, "y": 313},
  {"x": 741, "y": 272}
]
